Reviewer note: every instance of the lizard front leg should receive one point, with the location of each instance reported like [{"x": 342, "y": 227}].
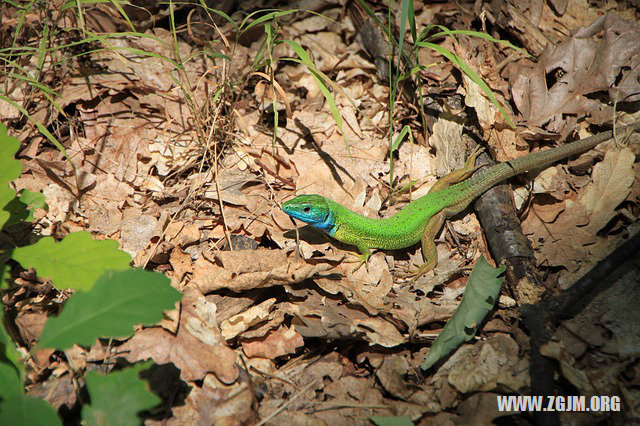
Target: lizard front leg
[{"x": 363, "y": 258}]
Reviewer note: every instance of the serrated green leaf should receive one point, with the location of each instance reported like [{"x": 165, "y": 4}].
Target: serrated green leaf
[
  {"x": 14, "y": 207},
  {"x": 8, "y": 348},
  {"x": 7, "y": 195},
  {"x": 10, "y": 168},
  {"x": 33, "y": 201},
  {"x": 10, "y": 384},
  {"x": 26, "y": 410},
  {"x": 116, "y": 303},
  {"x": 12, "y": 369},
  {"x": 75, "y": 262},
  {"x": 117, "y": 397},
  {"x": 479, "y": 297},
  {"x": 391, "y": 420}
]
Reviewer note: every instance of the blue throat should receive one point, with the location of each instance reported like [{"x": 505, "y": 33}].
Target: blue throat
[{"x": 328, "y": 225}]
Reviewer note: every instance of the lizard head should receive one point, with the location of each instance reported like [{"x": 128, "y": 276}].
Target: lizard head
[{"x": 312, "y": 209}]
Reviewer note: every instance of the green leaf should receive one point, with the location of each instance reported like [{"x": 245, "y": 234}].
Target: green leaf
[
  {"x": 7, "y": 206},
  {"x": 117, "y": 397},
  {"x": 263, "y": 18},
  {"x": 391, "y": 420},
  {"x": 447, "y": 32},
  {"x": 33, "y": 201},
  {"x": 117, "y": 302},
  {"x": 479, "y": 297},
  {"x": 10, "y": 384},
  {"x": 75, "y": 262},
  {"x": 11, "y": 369},
  {"x": 27, "y": 411},
  {"x": 10, "y": 168}
]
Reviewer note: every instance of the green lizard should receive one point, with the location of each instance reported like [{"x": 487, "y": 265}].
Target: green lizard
[{"x": 422, "y": 219}]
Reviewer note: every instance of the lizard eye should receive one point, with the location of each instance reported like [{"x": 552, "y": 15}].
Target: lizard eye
[{"x": 306, "y": 209}]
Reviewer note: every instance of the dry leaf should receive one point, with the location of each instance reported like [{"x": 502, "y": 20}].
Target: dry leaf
[
  {"x": 235, "y": 325},
  {"x": 247, "y": 269},
  {"x": 612, "y": 179},
  {"x": 279, "y": 342}
]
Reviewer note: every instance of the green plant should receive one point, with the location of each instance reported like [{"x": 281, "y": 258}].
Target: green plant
[
  {"x": 407, "y": 65},
  {"x": 111, "y": 298},
  {"x": 480, "y": 295}
]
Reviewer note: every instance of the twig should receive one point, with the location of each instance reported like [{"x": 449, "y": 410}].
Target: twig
[{"x": 286, "y": 404}]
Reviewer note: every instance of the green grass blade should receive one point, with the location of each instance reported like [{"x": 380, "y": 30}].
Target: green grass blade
[
  {"x": 472, "y": 75},
  {"x": 322, "y": 80},
  {"x": 40, "y": 127},
  {"x": 264, "y": 18},
  {"x": 484, "y": 36}
]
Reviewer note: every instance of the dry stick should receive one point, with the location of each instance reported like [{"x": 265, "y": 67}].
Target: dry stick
[
  {"x": 215, "y": 171},
  {"x": 326, "y": 406},
  {"x": 289, "y": 401}
]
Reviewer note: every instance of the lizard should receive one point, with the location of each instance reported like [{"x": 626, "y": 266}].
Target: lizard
[{"x": 422, "y": 219}]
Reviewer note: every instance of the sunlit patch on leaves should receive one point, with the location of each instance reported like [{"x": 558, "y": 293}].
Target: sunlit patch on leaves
[
  {"x": 11, "y": 369},
  {"x": 12, "y": 209},
  {"x": 10, "y": 168}
]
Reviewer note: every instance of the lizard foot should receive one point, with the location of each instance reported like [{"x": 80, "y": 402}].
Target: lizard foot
[
  {"x": 414, "y": 274},
  {"x": 361, "y": 259},
  {"x": 469, "y": 164}
]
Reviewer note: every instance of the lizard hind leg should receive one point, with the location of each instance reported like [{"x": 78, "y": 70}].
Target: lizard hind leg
[
  {"x": 460, "y": 174},
  {"x": 429, "y": 253}
]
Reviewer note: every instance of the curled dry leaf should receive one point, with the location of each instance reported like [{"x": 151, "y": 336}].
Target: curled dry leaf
[
  {"x": 391, "y": 375},
  {"x": 202, "y": 322},
  {"x": 480, "y": 367},
  {"x": 328, "y": 318},
  {"x": 559, "y": 239},
  {"x": 193, "y": 349},
  {"x": 578, "y": 68},
  {"x": 207, "y": 405},
  {"x": 279, "y": 342},
  {"x": 247, "y": 269},
  {"x": 181, "y": 234},
  {"x": 190, "y": 355},
  {"x": 136, "y": 233},
  {"x": 612, "y": 179},
  {"x": 235, "y": 325}
]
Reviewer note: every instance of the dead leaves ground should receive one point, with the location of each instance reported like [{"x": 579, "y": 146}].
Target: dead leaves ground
[{"x": 276, "y": 324}]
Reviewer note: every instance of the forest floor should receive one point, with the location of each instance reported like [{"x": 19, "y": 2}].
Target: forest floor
[{"x": 170, "y": 148}]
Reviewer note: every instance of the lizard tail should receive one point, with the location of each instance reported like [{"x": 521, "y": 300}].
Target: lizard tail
[{"x": 493, "y": 175}]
